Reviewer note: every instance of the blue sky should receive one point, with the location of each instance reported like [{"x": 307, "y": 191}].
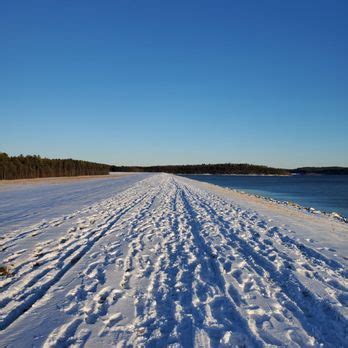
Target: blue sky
[{"x": 159, "y": 82}]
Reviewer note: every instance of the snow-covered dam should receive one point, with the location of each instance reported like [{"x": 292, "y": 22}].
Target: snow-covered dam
[{"x": 167, "y": 261}]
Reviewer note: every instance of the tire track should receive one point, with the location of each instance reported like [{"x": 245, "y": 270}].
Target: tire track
[{"x": 34, "y": 286}]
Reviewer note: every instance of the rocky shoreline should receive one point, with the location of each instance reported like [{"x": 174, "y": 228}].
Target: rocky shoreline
[{"x": 294, "y": 205}]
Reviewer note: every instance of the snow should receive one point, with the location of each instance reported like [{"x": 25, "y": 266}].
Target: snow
[
  {"x": 25, "y": 204},
  {"x": 161, "y": 260}
]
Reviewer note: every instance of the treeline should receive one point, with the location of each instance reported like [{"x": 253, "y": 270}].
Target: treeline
[
  {"x": 224, "y": 168},
  {"x": 27, "y": 167},
  {"x": 322, "y": 170}
]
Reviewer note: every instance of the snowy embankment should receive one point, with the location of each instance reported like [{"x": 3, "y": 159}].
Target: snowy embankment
[{"x": 170, "y": 261}]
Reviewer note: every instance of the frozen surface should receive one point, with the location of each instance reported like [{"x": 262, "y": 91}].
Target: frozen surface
[
  {"x": 22, "y": 205},
  {"x": 169, "y": 261}
]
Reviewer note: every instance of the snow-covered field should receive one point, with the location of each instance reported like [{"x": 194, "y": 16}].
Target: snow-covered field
[{"x": 160, "y": 260}]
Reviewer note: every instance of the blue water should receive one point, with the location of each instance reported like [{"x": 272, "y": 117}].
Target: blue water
[{"x": 324, "y": 192}]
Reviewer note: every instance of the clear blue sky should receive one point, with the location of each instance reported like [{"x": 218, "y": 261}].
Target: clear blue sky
[{"x": 159, "y": 82}]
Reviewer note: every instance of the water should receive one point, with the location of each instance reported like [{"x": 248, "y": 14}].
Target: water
[{"x": 324, "y": 192}]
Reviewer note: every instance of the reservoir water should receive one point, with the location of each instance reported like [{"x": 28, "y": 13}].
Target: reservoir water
[{"x": 324, "y": 192}]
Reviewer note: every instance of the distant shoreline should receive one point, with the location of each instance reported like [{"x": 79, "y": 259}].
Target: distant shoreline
[
  {"x": 34, "y": 166},
  {"x": 232, "y": 169}
]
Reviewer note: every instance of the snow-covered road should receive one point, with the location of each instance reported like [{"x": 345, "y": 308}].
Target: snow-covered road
[{"x": 165, "y": 262}]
